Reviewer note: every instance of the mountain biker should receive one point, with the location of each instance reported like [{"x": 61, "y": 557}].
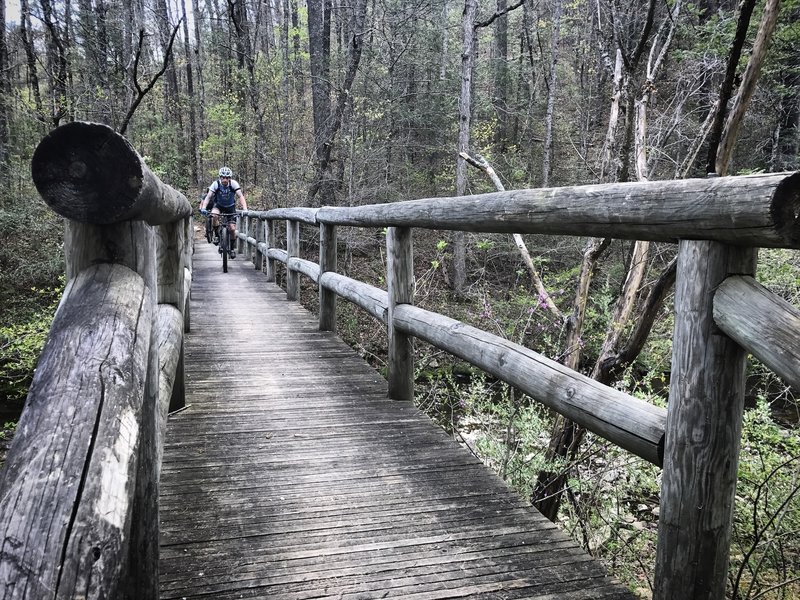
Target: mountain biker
[{"x": 224, "y": 191}]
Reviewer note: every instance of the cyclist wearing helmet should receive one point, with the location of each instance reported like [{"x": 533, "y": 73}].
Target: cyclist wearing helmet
[{"x": 222, "y": 195}]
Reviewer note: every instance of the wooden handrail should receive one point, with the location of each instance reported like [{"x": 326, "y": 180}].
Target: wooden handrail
[
  {"x": 79, "y": 496},
  {"x": 88, "y": 173},
  {"x": 762, "y": 323},
  {"x": 753, "y": 210},
  {"x": 717, "y": 222}
]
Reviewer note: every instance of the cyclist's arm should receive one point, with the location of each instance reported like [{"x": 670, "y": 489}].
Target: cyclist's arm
[
  {"x": 240, "y": 195},
  {"x": 207, "y": 199}
]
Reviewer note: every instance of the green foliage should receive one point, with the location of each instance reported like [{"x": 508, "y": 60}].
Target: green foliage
[
  {"x": 766, "y": 547},
  {"x": 31, "y": 257},
  {"x": 20, "y": 346},
  {"x": 225, "y": 143}
]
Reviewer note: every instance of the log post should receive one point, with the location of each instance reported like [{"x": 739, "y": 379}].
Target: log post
[
  {"x": 327, "y": 262},
  {"x": 171, "y": 280},
  {"x": 188, "y": 246},
  {"x": 260, "y": 239},
  {"x": 292, "y": 250},
  {"x": 270, "y": 241},
  {"x": 704, "y": 423},
  {"x": 400, "y": 283},
  {"x": 245, "y": 247}
]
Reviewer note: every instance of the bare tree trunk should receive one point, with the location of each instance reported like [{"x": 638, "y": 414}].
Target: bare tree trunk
[
  {"x": 199, "y": 63},
  {"x": 57, "y": 62},
  {"x": 500, "y": 96},
  {"x": 464, "y": 120},
  {"x": 286, "y": 96},
  {"x": 194, "y": 166},
  {"x": 30, "y": 55},
  {"x": 551, "y": 93},
  {"x": 327, "y": 121},
  {"x": 731, "y": 132},
  {"x": 607, "y": 170},
  {"x": 171, "y": 102},
  {"x": 5, "y": 142},
  {"x": 726, "y": 88}
]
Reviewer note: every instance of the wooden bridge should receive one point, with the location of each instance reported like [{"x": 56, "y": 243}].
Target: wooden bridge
[
  {"x": 291, "y": 475},
  {"x": 285, "y": 471}
]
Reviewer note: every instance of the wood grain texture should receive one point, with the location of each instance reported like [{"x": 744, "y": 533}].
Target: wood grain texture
[
  {"x": 328, "y": 263},
  {"x": 292, "y": 251},
  {"x": 629, "y": 422},
  {"x": 400, "y": 291},
  {"x": 170, "y": 253},
  {"x": 372, "y": 299},
  {"x": 88, "y": 173},
  {"x": 763, "y": 323},
  {"x": 704, "y": 425},
  {"x": 67, "y": 490},
  {"x": 300, "y": 215},
  {"x": 305, "y": 267},
  {"x": 754, "y": 210},
  {"x": 291, "y": 475}
]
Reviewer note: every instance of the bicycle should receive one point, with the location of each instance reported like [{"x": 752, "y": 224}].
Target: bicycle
[
  {"x": 225, "y": 243},
  {"x": 209, "y": 229}
]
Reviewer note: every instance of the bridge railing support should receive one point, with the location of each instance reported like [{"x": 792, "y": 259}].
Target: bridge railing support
[
  {"x": 328, "y": 262},
  {"x": 400, "y": 284},
  {"x": 79, "y": 495}
]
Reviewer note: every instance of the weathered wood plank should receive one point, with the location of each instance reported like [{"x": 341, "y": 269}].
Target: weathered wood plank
[
  {"x": 627, "y": 421},
  {"x": 704, "y": 426},
  {"x": 400, "y": 291},
  {"x": 328, "y": 262},
  {"x": 373, "y": 300},
  {"x": 762, "y": 323},
  {"x": 88, "y": 173},
  {"x": 754, "y": 210},
  {"x": 291, "y": 475}
]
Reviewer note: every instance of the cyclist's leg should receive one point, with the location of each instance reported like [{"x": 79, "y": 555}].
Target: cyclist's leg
[
  {"x": 215, "y": 223},
  {"x": 232, "y": 236}
]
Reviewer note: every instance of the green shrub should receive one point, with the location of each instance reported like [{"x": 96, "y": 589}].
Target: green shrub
[{"x": 20, "y": 346}]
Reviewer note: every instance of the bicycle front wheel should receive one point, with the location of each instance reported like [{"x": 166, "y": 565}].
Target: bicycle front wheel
[
  {"x": 209, "y": 230},
  {"x": 223, "y": 244}
]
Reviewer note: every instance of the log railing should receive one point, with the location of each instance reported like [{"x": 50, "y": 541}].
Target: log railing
[
  {"x": 79, "y": 494},
  {"x": 721, "y": 315}
]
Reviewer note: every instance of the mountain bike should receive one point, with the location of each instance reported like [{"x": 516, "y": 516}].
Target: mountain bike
[
  {"x": 209, "y": 229},
  {"x": 225, "y": 242}
]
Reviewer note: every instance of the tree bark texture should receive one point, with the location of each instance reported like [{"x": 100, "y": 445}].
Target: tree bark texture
[
  {"x": 753, "y": 210},
  {"x": 68, "y": 483},
  {"x": 704, "y": 424}
]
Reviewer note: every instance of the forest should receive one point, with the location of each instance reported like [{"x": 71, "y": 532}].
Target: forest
[{"x": 327, "y": 102}]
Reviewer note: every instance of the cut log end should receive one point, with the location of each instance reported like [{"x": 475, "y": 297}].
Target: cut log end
[
  {"x": 786, "y": 209},
  {"x": 88, "y": 173}
]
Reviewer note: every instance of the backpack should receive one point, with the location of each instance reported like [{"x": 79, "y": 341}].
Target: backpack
[{"x": 227, "y": 198}]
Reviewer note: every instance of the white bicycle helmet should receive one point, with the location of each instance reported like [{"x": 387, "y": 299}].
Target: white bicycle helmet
[{"x": 225, "y": 172}]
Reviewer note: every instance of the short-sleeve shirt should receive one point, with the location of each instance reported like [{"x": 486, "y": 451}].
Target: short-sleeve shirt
[{"x": 224, "y": 195}]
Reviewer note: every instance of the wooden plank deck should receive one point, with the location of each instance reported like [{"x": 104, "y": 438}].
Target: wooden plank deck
[{"x": 291, "y": 476}]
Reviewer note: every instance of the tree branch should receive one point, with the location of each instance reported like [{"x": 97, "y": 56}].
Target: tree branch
[
  {"x": 141, "y": 93},
  {"x": 480, "y": 163},
  {"x": 497, "y": 15}
]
